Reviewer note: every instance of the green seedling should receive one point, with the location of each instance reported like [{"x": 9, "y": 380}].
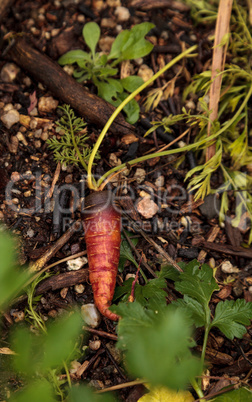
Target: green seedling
[{"x": 100, "y": 68}]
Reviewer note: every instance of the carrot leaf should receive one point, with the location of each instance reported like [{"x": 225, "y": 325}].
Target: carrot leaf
[
  {"x": 169, "y": 361},
  {"x": 232, "y": 316}
]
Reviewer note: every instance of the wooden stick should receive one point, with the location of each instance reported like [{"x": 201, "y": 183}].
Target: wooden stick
[{"x": 94, "y": 109}]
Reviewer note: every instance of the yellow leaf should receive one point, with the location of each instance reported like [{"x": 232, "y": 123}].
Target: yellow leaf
[{"x": 163, "y": 394}]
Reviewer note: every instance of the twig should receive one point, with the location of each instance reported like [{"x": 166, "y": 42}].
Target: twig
[
  {"x": 41, "y": 262},
  {"x": 101, "y": 333},
  {"x": 138, "y": 255},
  {"x": 161, "y": 251},
  {"x": 120, "y": 386}
]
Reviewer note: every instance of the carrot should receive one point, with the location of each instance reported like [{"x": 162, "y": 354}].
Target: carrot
[{"x": 102, "y": 228}]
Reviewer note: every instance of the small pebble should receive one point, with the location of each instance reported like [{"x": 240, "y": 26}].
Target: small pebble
[
  {"x": 95, "y": 345},
  {"x": 114, "y": 160},
  {"x": 9, "y": 72},
  {"x": 139, "y": 175},
  {"x": 47, "y": 104},
  {"x": 10, "y": 118},
  {"x": 77, "y": 263},
  {"x": 159, "y": 182},
  {"x": 30, "y": 232},
  {"x": 211, "y": 263},
  {"x": 122, "y": 13},
  {"x": 147, "y": 208},
  {"x": 21, "y": 138},
  {"x": 79, "y": 288},
  {"x": 228, "y": 268},
  {"x": 145, "y": 72},
  {"x": 37, "y": 144},
  {"x": 106, "y": 43},
  {"x": 90, "y": 315},
  {"x": 8, "y": 107},
  {"x": 13, "y": 145},
  {"x": 63, "y": 292},
  {"x": 108, "y": 23},
  {"x": 27, "y": 193},
  {"x": 44, "y": 136}
]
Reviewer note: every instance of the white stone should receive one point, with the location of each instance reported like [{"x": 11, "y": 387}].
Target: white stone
[
  {"x": 122, "y": 13},
  {"x": 228, "y": 268},
  {"x": 47, "y": 104},
  {"x": 139, "y": 175},
  {"x": 145, "y": 72},
  {"x": 77, "y": 263},
  {"x": 90, "y": 315},
  {"x": 147, "y": 208},
  {"x": 9, "y": 72},
  {"x": 79, "y": 288},
  {"x": 94, "y": 345}
]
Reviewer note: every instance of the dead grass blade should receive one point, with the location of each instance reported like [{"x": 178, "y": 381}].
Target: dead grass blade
[{"x": 219, "y": 57}]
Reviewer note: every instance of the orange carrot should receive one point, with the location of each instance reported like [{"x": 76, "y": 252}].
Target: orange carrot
[{"x": 102, "y": 227}]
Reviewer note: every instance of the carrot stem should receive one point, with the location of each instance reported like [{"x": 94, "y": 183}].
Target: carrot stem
[{"x": 91, "y": 183}]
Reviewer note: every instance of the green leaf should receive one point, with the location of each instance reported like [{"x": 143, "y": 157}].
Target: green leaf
[
  {"x": 232, "y": 316},
  {"x": 28, "y": 349},
  {"x": 192, "y": 309},
  {"x": 131, "y": 44},
  {"x": 160, "y": 353},
  {"x": 137, "y": 46},
  {"x": 123, "y": 292},
  {"x": 169, "y": 272},
  {"x": 74, "y": 56},
  {"x": 134, "y": 316},
  {"x": 91, "y": 33},
  {"x": 118, "y": 44},
  {"x": 109, "y": 90},
  {"x": 132, "y": 109},
  {"x": 83, "y": 393},
  {"x": 56, "y": 347},
  {"x": 131, "y": 83},
  {"x": 12, "y": 278},
  {"x": 151, "y": 295},
  {"x": 39, "y": 391},
  {"x": 126, "y": 253},
  {"x": 197, "y": 283},
  {"x": 237, "y": 395}
]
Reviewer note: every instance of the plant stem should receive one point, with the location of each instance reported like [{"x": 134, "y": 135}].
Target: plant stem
[
  {"x": 203, "y": 353},
  {"x": 197, "y": 388},
  {"x": 91, "y": 184}
]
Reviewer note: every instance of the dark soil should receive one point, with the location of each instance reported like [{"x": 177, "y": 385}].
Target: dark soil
[{"x": 181, "y": 227}]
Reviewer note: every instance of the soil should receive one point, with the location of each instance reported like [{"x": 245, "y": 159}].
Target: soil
[{"x": 184, "y": 229}]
